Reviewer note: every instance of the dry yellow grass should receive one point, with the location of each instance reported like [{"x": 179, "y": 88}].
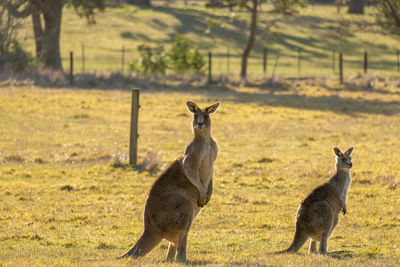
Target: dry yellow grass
[{"x": 63, "y": 202}]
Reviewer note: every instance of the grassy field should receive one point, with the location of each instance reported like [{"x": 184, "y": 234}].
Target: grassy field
[
  {"x": 317, "y": 31},
  {"x": 64, "y": 201}
]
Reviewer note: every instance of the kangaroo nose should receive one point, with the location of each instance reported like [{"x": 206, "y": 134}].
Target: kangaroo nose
[
  {"x": 200, "y": 124},
  {"x": 351, "y": 165}
]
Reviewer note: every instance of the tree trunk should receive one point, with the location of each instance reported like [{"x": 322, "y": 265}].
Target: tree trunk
[
  {"x": 50, "y": 52},
  {"x": 140, "y": 2},
  {"x": 37, "y": 29},
  {"x": 356, "y": 7},
  {"x": 250, "y": 42}
]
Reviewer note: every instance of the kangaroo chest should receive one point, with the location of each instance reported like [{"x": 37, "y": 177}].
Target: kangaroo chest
[
  {"x": 342, "y": 184},
  {"x": 207, "y": 159},
  {"x": 346, "y": 188}
]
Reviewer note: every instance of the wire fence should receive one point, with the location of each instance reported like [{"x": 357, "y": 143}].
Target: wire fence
[{"x": 266, "y": 61}]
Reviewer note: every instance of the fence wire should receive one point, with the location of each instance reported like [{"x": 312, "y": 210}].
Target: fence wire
[{"x": 87, "y": 59}]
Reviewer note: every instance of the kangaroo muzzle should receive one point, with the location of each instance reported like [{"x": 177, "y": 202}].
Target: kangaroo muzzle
[{"x": 200, "y": 122}]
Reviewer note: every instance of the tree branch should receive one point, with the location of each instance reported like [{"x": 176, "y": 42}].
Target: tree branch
[
  {"x": 13, "y": 8},
  {"x": 394, "y": 13}
]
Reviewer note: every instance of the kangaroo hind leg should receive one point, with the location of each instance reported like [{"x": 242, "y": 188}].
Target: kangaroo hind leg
[
  {"x": 313, "y": 247},
  {"x": 323, "y": 243},
  {"x": 171, "y": 252},
  {"x": 181, "y": 251}
]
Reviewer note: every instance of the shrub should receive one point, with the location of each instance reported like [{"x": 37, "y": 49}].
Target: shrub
[
  {"x": 152, "y": 60},
  {"x": 197, "y": 61},
  {"x": 182, "y": 57},
  {"x": 179, "y": 54}
]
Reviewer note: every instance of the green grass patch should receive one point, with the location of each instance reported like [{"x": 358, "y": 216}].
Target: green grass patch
[{"x": 316, "y": 30}]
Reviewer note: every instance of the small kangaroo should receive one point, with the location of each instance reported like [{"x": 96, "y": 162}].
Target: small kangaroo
[
  {"x": 180, "y": 191},
  {"x": 318, "y": 213}
]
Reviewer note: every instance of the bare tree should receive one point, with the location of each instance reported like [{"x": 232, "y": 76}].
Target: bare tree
[
  {"x": 253, "y": 7},
  {"x": 250, "y": 40},
  {"x": 8, "y": 33}
]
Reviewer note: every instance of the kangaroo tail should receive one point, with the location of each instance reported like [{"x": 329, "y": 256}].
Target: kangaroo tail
[
  {"x": 146, "y": 242},
  {"x": 298, "y": 241}
]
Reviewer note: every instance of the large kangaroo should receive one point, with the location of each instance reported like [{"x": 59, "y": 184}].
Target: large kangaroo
[
  {"x": 180, "y": 191},
  {"x": 318, "y": 213}
]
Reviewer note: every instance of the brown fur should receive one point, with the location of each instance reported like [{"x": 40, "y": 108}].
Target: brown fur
[
  {"x": 318, "y": 213},
  {"x": 200, "y": 154},
  {"x": 175, "y": 199}
]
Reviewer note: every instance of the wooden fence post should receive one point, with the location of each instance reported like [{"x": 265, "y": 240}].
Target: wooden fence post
[
  {"x": 227, "y": 62},
  {"x": 71, "y": 68},
  {"x": 83, "y": 58},
  {"x": 209, "y": 67},
  {"x": 134, "y": 127},
  {"x": 365, "y": 62},
  {"x": 341, "y": 67},
  {"x": 298, "y": 60},
  {"x": 265, "y": 60},
  {"x": 123, "y": 59}
]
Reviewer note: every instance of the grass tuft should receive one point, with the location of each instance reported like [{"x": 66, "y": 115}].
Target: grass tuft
[
  {"x": 151, "y": 163},
  {"x": 103, "y": 245},
  {"x": 66, "y": 188},
  {"x": 14, "y": 159}
]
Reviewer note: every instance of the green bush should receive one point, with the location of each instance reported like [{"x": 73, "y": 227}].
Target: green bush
[
  {"x": 179, "y": 55},
  {"x": 181, "y": 58},
  {"x": 152, "y": 60},
  {"x": 197, "y": 61},
  {"x": 184, "y": 57}
]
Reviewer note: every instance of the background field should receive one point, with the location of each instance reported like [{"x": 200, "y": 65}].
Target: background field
[
  {"x": 63, "y": 200},
  {"x": 317, "y": 31}
]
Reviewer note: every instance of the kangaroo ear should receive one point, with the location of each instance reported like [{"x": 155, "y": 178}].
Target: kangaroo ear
[
  {"x": 349, "y": 151},
  {"x": 192, "y": 107},
  {"x": 213, "y": 108},
  {"x": 337, "y": 151}
]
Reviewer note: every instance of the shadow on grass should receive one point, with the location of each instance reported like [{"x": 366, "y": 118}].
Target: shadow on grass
[
  {"x": 332, "y": 103},
  {"x": 363, "y": 88},
  {"x": 340, "y": 254},
  {"x": 270, "y": 97},
  {"x": 196, "y": 263},
  {"x": 195, "y": 22},
  {"x": 281, "y": 96}
]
